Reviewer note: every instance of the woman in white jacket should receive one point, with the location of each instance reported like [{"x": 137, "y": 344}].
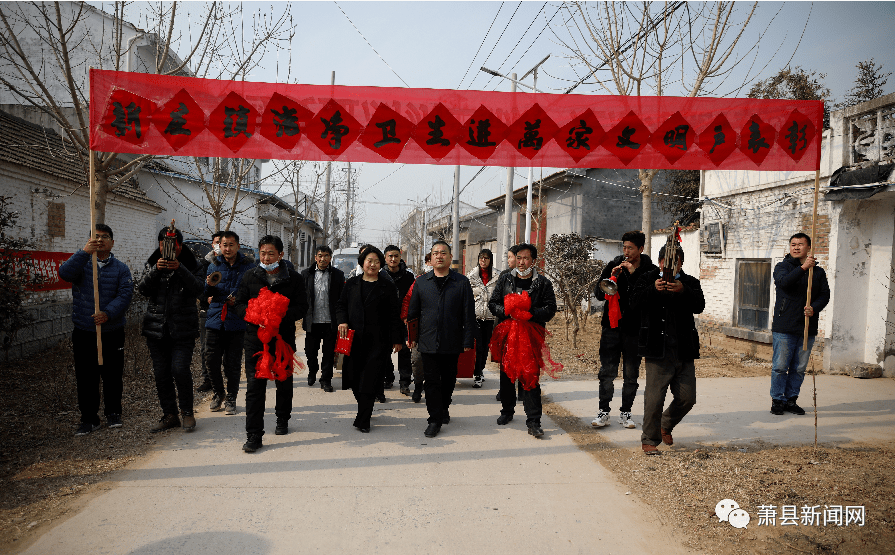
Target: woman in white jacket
[{"x": 483, "y": 280}]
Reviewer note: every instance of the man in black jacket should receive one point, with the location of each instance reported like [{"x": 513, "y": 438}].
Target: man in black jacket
[
  {"x": 670, "y": 343},
  {"x": 403, "y": 279},
  {"x": 621, "y": 341},
  {"x": 524, "y": 277},
  {"x": 788, "y": 328},
  {"x": 273, "y": 274},
  {"x": 204, "y": 302},
  {"x": 442, "y": 301},
  {"x": 324, "y": 284},
  {"x": 170, "y": 328}
]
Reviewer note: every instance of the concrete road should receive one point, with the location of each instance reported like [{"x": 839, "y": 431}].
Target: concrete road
[{"x": 327, "y": 488}]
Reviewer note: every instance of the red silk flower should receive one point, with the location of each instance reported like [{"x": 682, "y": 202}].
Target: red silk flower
[
  {"x": 520, "y": 345},
  {"x": 267, "y": 311}
]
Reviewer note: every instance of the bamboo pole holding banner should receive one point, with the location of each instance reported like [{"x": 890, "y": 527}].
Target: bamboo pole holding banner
[
  {"x": 811, "y": 269},
  {"x": 99, "y": 332}
]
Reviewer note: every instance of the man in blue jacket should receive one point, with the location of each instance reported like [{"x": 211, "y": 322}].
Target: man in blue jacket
[
  {"x": 788, "y": 328},
  {"x": 224, "y": 328},
  {"x": 443, "y": 302},
  {"x": 116, "y": 289}
]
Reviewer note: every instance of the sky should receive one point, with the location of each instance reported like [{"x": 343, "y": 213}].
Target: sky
[{"x": 442, "y": 45}]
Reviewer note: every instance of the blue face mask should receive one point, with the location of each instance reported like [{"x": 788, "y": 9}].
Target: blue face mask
[{"x": 270, "y": 267}]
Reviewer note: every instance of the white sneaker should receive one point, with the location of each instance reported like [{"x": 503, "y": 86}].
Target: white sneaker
[
  {"x": 624, "y": 419},
  {"x": 477, "y": 383},
  {"x": 601, "y": 420}
]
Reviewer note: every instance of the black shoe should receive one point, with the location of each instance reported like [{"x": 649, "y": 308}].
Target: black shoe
[
  {"x": 217, "y": 403},
  {"x": 312, "y": 379},
  {"x": 282, "y": 427},
  {"x": 792, "y": 407},
  {"x": 113, "y": 420},
  {"x": 204, "y": 387},
  {"x": 86, "y": 428},
  {"x": 388, "y": 384},
  {"x": 504, "y": 419},
  {"x": 445, "y": 417},
  {"x": 253, "y": 443},
  {"x": 777, "y": 407},
  {"x": 364, "y": 430},
  {"x": 381, "y": 398},
  {"x": 405, "y": 390},
  {"x": 417, "y": 395},
  {"x": 432, "y": 430},
  {"x": 497, "y": 397},
  {"x": 327, "y": 387},
  {"x": 535, "y": 429}
]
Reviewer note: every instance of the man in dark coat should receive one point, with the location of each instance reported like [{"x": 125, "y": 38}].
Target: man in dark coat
[
  {"x": 403, "y": 279},
  {"x": 116, "y": 289},
  {"x": 788, "y": 328},
  {"x": 170, "y": 328},
  {"x": 204, "y": 302},
  {"x": 523, "y": 277},
  {"x": 621, "y": 341},
  {"x": 670, "y": 343},
  {"x": 225, "y": 329},
  {"x": 324, "y": 284},
  {"x": 442, "y": 301},
  {"x": 273, "y": 274}
]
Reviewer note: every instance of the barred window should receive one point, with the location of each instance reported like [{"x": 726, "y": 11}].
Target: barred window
[{"x": 753, "y": 293}]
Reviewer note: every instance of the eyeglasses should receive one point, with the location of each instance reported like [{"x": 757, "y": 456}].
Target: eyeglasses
[{"x": 103, "y": 237}]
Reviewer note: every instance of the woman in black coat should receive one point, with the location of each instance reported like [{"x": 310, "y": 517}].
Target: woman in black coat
[{"x": 369, "y": 306}]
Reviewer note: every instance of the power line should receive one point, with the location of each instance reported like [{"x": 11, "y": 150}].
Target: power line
[
  {"x": 497, "y": 41},
  {"x": 536, "y": 38},
  {"x": 368, "y": 43},
  {"x": 482, "y": 44},
  {"x": 518, "y": 42}
]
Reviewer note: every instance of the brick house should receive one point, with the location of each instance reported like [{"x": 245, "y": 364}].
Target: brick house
[{"x": 749, "y": 217}]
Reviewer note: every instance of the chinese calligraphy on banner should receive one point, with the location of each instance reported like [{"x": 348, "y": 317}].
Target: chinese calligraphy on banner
[{"x": 152, "y": 114}]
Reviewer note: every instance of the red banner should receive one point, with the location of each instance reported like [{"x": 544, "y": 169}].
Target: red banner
[
  {"x": 46, "y": 266},
  {"x": 150, "y": 114}
]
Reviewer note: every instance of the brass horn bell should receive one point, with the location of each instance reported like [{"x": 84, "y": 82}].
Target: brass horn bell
[
  {"x": 214, "y": 278},
  {"x": 609, "y": 286}
]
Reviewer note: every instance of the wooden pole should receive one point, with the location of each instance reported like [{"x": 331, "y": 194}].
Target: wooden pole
[
  {"x": 99, "y": 331},
  {"x": 811, "y": 269}
]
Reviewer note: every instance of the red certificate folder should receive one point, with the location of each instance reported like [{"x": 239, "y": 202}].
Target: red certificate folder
[
  {"x": 413, "y": 330},
  {"x": 343, "y": 345}
]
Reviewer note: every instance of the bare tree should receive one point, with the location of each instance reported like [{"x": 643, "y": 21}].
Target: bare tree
[
  {"x": 46, "y": 50},
  {"x": 868, "y": 84},
  {"x": 573, "y": 272},
  {"x": 649, "y": 48},
  {"x": 795, "y": 84}
]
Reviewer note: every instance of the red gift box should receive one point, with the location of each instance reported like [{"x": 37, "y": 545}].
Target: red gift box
[
  {"x": 343, "y": 344},
  {"x": 466, "y": 363}
]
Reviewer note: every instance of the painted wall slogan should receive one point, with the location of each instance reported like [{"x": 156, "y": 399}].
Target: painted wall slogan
[{"x": 151, "y": 114}]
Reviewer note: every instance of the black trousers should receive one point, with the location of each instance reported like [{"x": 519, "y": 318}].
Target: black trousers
[
  {"x": 368, "y": 363},
  {"x": 531, "y": 400},
  {"x": 88, "y": 373},
  {"x": 224, "y": 347},
  {"x": 256, "y": 394},
  {"x": 203, "y": 347},
  {"x": 615, "y": 345},
  {"x": 321, "y": 333},
  {"x": 486, "y": 329},
  {"x": 171, "y": 362},
  {"x": 440, "y": 376}
]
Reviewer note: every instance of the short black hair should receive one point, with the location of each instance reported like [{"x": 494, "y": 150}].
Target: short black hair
[
  {"x": 324, "y": 248},
  {"x": 428, "y": 257},
  {"x": 801, "y": 235},
  {"x": 370, "y": 249},
  {"x": 680, "y": 253},
  {"x": 391, "y": 248},
  {"x": 440, "y": 242},
  {"x": 487, "y": 253},
  {"x": 271, "y": 240},
  {"x": 177, "y": 234},
  {"x": 514, "y": 249},
  {"x": 527, "y": 247},
  {"x": 107, "y": 229},
  {"x": 230, "y": 235},
  {"x": 217, "y": 234},
  {"x": 637, "y": 237},
  {"x": 364, "y": 247}
]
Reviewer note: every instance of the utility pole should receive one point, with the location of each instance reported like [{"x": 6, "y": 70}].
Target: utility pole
[
  {"x": 508, "y": 201},
  {"x": 329, "y": 170},
  {"x": 348, "y": 208},
  {"x": 455, "y": 243}
]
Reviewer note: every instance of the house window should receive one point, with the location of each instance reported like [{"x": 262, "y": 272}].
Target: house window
[
  {"x": 753, "y": 293},
  {"x": 56, "y": 219}
]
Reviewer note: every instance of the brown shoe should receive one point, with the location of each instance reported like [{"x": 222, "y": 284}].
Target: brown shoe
[
  {"x": 666, "y": 437},
  {"x": 650, "y": 449},
  {"x": 189, "y": 421},
  {"x": 166, "y": 423}
]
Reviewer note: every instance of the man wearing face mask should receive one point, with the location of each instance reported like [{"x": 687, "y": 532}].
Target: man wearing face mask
[
  {"x": 204, "y": 301},
  {"x": 169, "y": 326},
  {"x": 273, "y": 274},
  {"x": 225, "y": 329}
]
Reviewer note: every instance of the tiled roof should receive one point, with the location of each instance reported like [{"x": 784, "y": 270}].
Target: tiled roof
[{"x": 41, "y": 149}]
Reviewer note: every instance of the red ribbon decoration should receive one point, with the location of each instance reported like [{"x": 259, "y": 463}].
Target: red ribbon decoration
[
  {"x": 186, "y": 116},
  {"x": 267, "y": 311},
  {"x": 520, "y": 345},
  {"x": 615, "y": 310}
]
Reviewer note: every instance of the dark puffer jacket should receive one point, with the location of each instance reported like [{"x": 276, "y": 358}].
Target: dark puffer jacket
[
  {"x": 446, "y": 318},
  {"x": 626, "y": 283},
  {"x": 543, "y": 298},
  {"x": 231, "y": 276},
  {"x": 663, "y": 310},
  {"x": 116, "y": 289},
  {"x": 173, "y": 309},
  {"x": 792, "y": 291},
  {"x": 290, "y": 284},
  {"x": 403, "y": 279}
]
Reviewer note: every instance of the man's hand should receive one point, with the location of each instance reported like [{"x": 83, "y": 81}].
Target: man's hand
[
  {"x": 208, "y": 280},
  {"x": 231, "y": 301},
  {"x": 809, "y": 262},
  {"x": 167, "y": 264},
  {"x": 661, "y": 285},
  {"x": 343, "y": 330},
  {"x": 209, "y": 300},
  {"x": 397, "y": 347},
  {"x": 675, "y": 287},
  {"x": 100, "y": 318},
  {"x": 467, "y": 349},
  {"x": 623, "y": 266},
  {"x": 92, "y": 246},
  {"x": 411, "y": 344},
  {"x": 809, "y": 310}
]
